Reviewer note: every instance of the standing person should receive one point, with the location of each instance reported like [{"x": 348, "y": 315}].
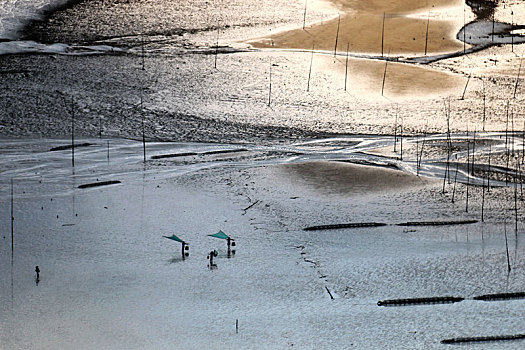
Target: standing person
[{"x": 37, "y": 270}]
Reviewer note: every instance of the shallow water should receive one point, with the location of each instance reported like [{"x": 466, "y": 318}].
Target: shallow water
[{"x": 110, "y": 280}]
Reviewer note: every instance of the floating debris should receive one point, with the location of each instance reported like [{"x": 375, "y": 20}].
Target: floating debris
[
  {"x": 417, "y": 301},
  {"x": 437, "y": 223},
  {"x": 500, "y": 296},
  {"x": 350, "y": 225},
  {"x": 483, "y": 339},
  {"x": 98, "y": 184}
]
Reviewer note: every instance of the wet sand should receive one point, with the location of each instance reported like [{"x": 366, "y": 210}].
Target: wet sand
[
  {"x": 360, "y": 28},
  {"x": 345, "y": 179}
]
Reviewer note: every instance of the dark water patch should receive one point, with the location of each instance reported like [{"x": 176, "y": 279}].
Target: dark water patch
[
  {"x": 66, "y": 147},
  {"x": 98, "y": 184},
  {"x": 341, "y": 226},
  {"x": 483, "y": 9},
  {"x": 493, "y": 338},
  {"x": 419, "y": 301}
]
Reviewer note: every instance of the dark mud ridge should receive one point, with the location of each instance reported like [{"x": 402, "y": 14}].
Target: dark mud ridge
[
  {"x": 420, "y": 301},
  {"x": 98, "y": 184}
]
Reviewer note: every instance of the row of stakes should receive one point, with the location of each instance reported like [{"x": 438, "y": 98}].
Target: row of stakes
[{"x": 221, "y": 235}]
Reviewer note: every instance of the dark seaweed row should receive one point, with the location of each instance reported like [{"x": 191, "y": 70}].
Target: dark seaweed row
[
  {"x": 437, "y": 223},
  {"x": 174, "y": 155},
  {"x": 97, "y": 184},
  {"x": 500, "y": 296},
  {"x": 62, "y": 148},
  {"x": 352, "y": 225},
  {"x": 483, "y": 339},
  {"x": 415, "y": 301}
]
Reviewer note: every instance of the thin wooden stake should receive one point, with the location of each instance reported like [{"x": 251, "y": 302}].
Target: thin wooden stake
[
  {"x": 455, "y": 181},
  {"x": 464, "y": 28},
  {"x": 507, "y": 145},
  {"x": 401, "y": 141},
  {"x": 466, "y": 85},
  {"x": 143, "y": 128},
  {"x": 304, "y": 16},
  {"x": 12, "y": 219},
  {"x": 507, "y": 246},
  {"x": 142, "y": 52},
  {"x": 484, "y": 105},
  {"x": 383, "y": 34},
  {"x": 395, "y": 131},
  {"x": 346, "y": 65},
  {"x": 517, "y": 80},
  {"x": 426, "y": 35},
  {"x": 216, "y": 47},
  {"x": 488, "y": 174},
  {"x": 468, "y": 174},
  {"x": 72, "y": 132},
  {"x": 483, "y": 201},
  {"x": 337, "y": 35},
  {"x": 310, "y": 71},
  {"x": 270, "y": 91},
  {"x": 384, "y": 78}
]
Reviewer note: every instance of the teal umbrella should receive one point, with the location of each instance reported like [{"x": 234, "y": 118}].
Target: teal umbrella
[
  {"x": 175, "y": 238},
  {"x": 220, "y": 235}
]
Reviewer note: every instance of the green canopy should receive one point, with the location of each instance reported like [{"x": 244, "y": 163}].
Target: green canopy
[
  {"x": 220, "y": 235},
  {"x": 175, "y": 238}
]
